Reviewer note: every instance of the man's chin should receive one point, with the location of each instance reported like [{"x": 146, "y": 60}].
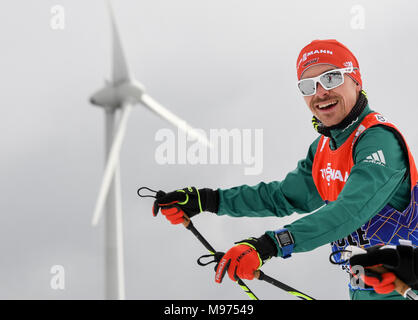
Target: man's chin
[{"x": 328, "y": 122}]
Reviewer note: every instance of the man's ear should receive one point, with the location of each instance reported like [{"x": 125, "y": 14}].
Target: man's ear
[{"x": 358, "y": 90}]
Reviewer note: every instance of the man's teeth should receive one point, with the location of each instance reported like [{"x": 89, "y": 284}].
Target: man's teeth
[{"x": 327, "y": 104}]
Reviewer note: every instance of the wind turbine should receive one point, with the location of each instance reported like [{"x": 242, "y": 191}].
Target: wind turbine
[{"x": 119, "y": 96}]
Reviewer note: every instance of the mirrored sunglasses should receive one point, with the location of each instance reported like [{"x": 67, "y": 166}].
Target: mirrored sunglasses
[{"x": 329, "y": 80}]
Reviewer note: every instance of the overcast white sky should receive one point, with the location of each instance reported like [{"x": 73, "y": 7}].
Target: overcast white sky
[{"x": 217, "y": 64}]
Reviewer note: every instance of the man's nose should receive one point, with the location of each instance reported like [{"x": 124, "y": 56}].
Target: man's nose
[{"x": 321, "y": 92}]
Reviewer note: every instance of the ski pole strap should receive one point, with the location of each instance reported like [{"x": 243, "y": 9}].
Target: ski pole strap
[
  {"x": 154, "y": 195},
  {"x": 217, "y": 256}
]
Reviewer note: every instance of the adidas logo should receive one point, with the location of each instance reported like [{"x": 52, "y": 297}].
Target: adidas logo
[{"x": 376, "y": 157}]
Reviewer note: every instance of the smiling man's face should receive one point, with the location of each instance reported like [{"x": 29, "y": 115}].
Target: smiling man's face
[{"x": 331, "y": 106}]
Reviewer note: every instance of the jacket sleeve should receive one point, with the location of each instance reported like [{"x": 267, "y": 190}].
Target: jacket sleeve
[
  {"x": 296, "y": 193},
  {"x": 370, "y": 186}
]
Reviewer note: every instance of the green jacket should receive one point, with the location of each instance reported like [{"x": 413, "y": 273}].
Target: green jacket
[{"x": 369, "y": 188}]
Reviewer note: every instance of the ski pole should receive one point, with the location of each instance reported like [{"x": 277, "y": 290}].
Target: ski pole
[
  {"x": 260, "y": 275},
  {"x": 189, "y": 225}
]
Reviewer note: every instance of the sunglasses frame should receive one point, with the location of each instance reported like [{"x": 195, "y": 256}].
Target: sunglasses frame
[{"x": 318, "y": 79}]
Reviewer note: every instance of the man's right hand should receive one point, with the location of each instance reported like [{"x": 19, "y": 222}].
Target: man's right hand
[{"x": 188, "y": 201}]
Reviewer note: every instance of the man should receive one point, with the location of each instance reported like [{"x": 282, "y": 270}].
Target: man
[{"x": 360, "y": 167}]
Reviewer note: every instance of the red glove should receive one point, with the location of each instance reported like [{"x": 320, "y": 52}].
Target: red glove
[
  {"x": 173, "y": 214},
  {"x": 246, "y": 257},
  {"x": 382, "y": 283},
  {"x": 175, "y": 205},
  {"x": 240, "y": 261}
]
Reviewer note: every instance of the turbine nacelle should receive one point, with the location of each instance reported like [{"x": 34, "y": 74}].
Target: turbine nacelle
[{"x": 114, "y": 95}]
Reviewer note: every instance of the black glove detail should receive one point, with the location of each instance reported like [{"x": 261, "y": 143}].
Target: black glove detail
[
  {"x": 264, "y": 245},
  {"x": 191, "y": 200}
]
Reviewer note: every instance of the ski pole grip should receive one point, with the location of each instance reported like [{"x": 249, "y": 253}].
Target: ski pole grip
[
  {"x": 186, "y": 221},
  {"x": 401, "y": 287},
  {"x": 258, "y": 274}
]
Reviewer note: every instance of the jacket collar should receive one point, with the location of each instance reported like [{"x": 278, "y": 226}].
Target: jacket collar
[{"x": 339, "y": 133}]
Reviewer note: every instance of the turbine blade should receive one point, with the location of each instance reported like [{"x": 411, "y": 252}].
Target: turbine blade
[
  {"x": 120, "y": 65},
  {"x": 112, "y": 162},
  {"x": 149, "y": 102}
]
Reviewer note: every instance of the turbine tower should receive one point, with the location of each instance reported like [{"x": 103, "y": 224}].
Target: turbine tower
[{"x": 117, "y": 99}]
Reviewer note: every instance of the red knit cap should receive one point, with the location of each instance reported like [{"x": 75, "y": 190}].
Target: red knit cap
[{"x": 328, "y": 52}]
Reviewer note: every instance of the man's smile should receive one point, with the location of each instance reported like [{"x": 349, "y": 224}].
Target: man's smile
[{"x": 326, "y": 106}]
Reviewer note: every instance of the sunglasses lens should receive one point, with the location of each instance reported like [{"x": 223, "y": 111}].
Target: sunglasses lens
[
  {"x": 332, "y": 79},
  {"x": 307, "y": 87},
  {"x": 329, "y": 80}
]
